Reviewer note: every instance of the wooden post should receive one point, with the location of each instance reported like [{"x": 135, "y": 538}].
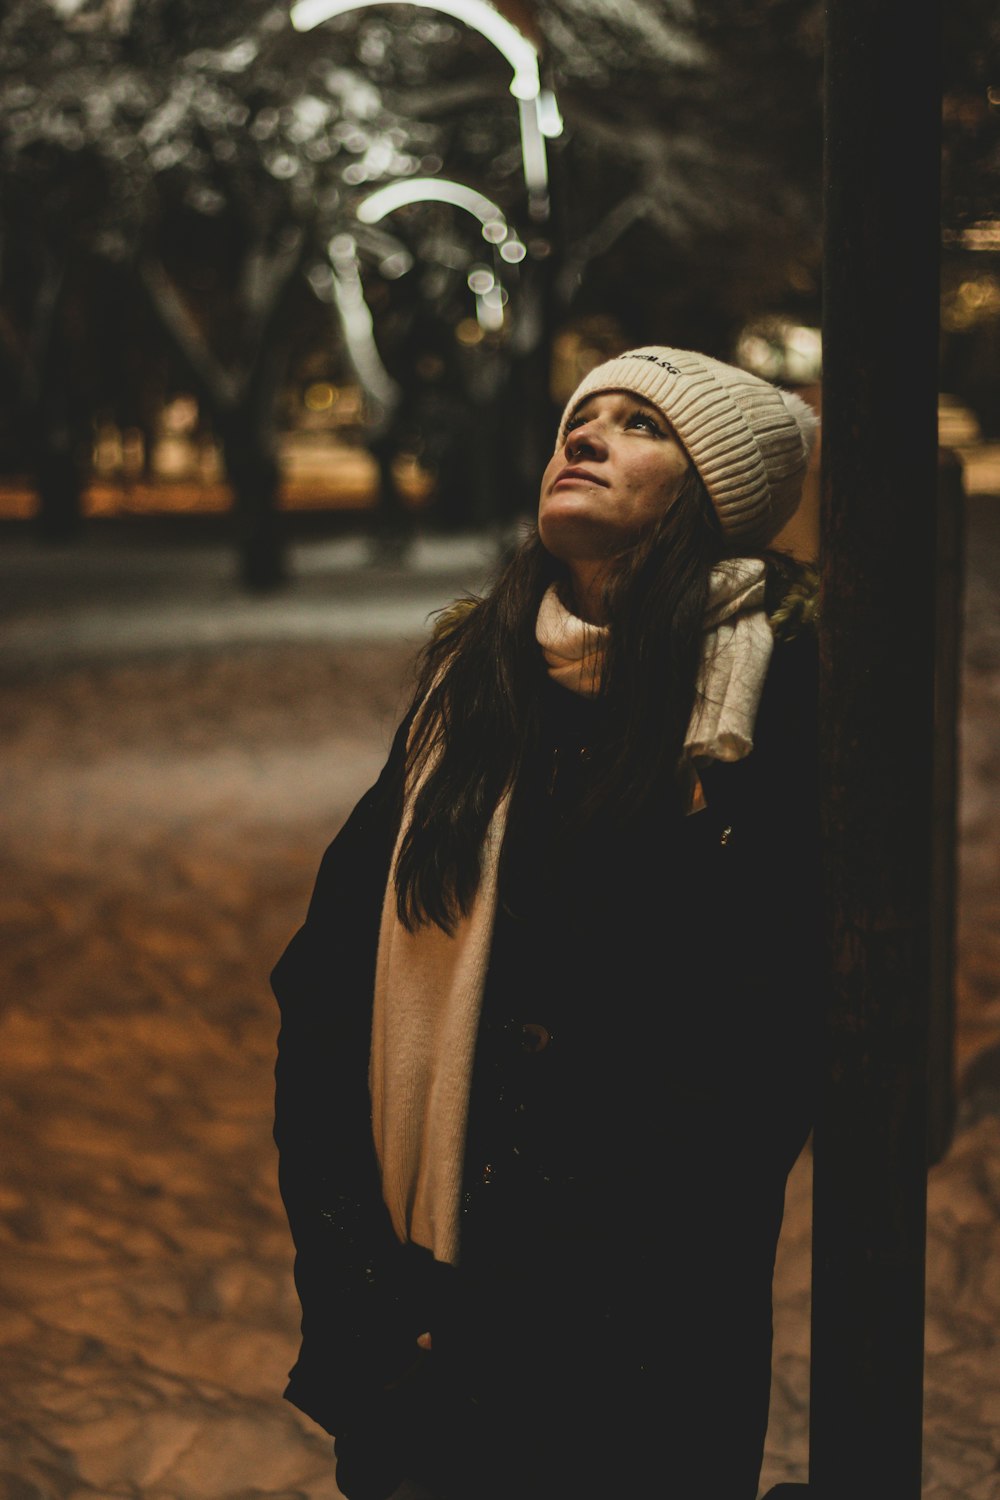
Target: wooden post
[{"x": 880, "y": 346}]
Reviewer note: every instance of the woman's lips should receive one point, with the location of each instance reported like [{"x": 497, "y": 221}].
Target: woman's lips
[{"x": 571, "y": 475}]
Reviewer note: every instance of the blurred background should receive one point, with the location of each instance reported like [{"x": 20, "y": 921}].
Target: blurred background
[
  {"x": 264, "y": 266},
  {"x": 272, "y": 266},
  {"x": 291, "y": 296}
]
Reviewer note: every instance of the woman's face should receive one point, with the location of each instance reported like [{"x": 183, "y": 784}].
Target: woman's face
[{"x": 617, "y": 472}]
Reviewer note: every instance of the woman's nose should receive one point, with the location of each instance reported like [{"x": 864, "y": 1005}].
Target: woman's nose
[{"x": 585, "y": 439}]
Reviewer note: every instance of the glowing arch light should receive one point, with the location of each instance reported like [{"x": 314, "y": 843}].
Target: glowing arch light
[
  {"x": 359, "y": 333},
  {"x": 505, "y": 37},
  {"x": 428, "y": 190},
  {"x": 537, "y": 109},
  {"x": 490, "y": 296}
]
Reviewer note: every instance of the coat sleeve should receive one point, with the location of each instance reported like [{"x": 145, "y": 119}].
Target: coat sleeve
[{"x": 364, "y": 1296}]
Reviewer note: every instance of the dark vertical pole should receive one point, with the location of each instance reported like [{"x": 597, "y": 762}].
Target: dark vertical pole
[
  {"x": 880, "y": 345},
  {"x": 950, "y": 567}
]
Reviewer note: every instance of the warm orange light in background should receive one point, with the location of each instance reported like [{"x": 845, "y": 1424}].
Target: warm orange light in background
[
  {"x": 176, "y": 466},
  {"x": 468, "y": 332},
  {"x": 320, "y": 396},
  {"x": 180, "y": 415},
  {"x": 973, "y": 301},
  {"x": 982, "y": 236}
]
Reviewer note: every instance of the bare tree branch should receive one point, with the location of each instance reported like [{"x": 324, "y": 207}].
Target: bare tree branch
[
  {"x": 611, "y": 228},
  {"x": 222, "y": 387},
  {"x": 40, "y": 331}
]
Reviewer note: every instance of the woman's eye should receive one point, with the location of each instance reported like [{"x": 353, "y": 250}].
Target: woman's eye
[{"x": 643, "y": 419}]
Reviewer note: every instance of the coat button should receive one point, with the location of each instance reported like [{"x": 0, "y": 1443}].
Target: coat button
[{"x": 534, "y": 1038}]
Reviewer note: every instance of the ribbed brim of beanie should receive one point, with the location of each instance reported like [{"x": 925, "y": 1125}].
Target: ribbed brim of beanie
[{"x": 749, "y": 440}]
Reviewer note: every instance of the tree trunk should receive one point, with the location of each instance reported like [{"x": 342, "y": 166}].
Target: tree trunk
[
  {"x": 49, "y": 409},
  {"x": 59, "y": 457},
  {"x": 242, "y": 404},
  {"x": 59, "y": 483},
  {"x": 392, "y": 521},
  {"x": 250, "y": 452}
]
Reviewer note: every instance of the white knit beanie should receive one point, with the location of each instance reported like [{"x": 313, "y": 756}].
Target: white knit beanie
[{"x": 749, "y": 440}]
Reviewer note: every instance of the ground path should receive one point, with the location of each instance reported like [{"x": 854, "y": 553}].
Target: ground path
[{"x": 176, "y": 759}]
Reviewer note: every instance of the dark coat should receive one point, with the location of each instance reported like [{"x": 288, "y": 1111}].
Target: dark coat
[{"x": 676, "y": 1033}]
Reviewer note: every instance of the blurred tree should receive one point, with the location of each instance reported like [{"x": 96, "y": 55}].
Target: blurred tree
[
  {"x": 209, "y": 155},
  {"x": 64, "y": 191},
  {"x": 197, "y": 150},
  {"x": 214, "y": 154},
  {"x": 448, "y": 89}
]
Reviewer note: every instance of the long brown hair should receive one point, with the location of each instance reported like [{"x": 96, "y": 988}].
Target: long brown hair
[{"x": 478, "y": 698}]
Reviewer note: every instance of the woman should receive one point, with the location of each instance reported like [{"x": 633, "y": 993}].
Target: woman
[{"x": 547, "y": 1039}]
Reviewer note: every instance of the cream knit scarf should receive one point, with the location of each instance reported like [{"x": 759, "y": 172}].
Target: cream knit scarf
[{"x": 429, "y": 986}]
